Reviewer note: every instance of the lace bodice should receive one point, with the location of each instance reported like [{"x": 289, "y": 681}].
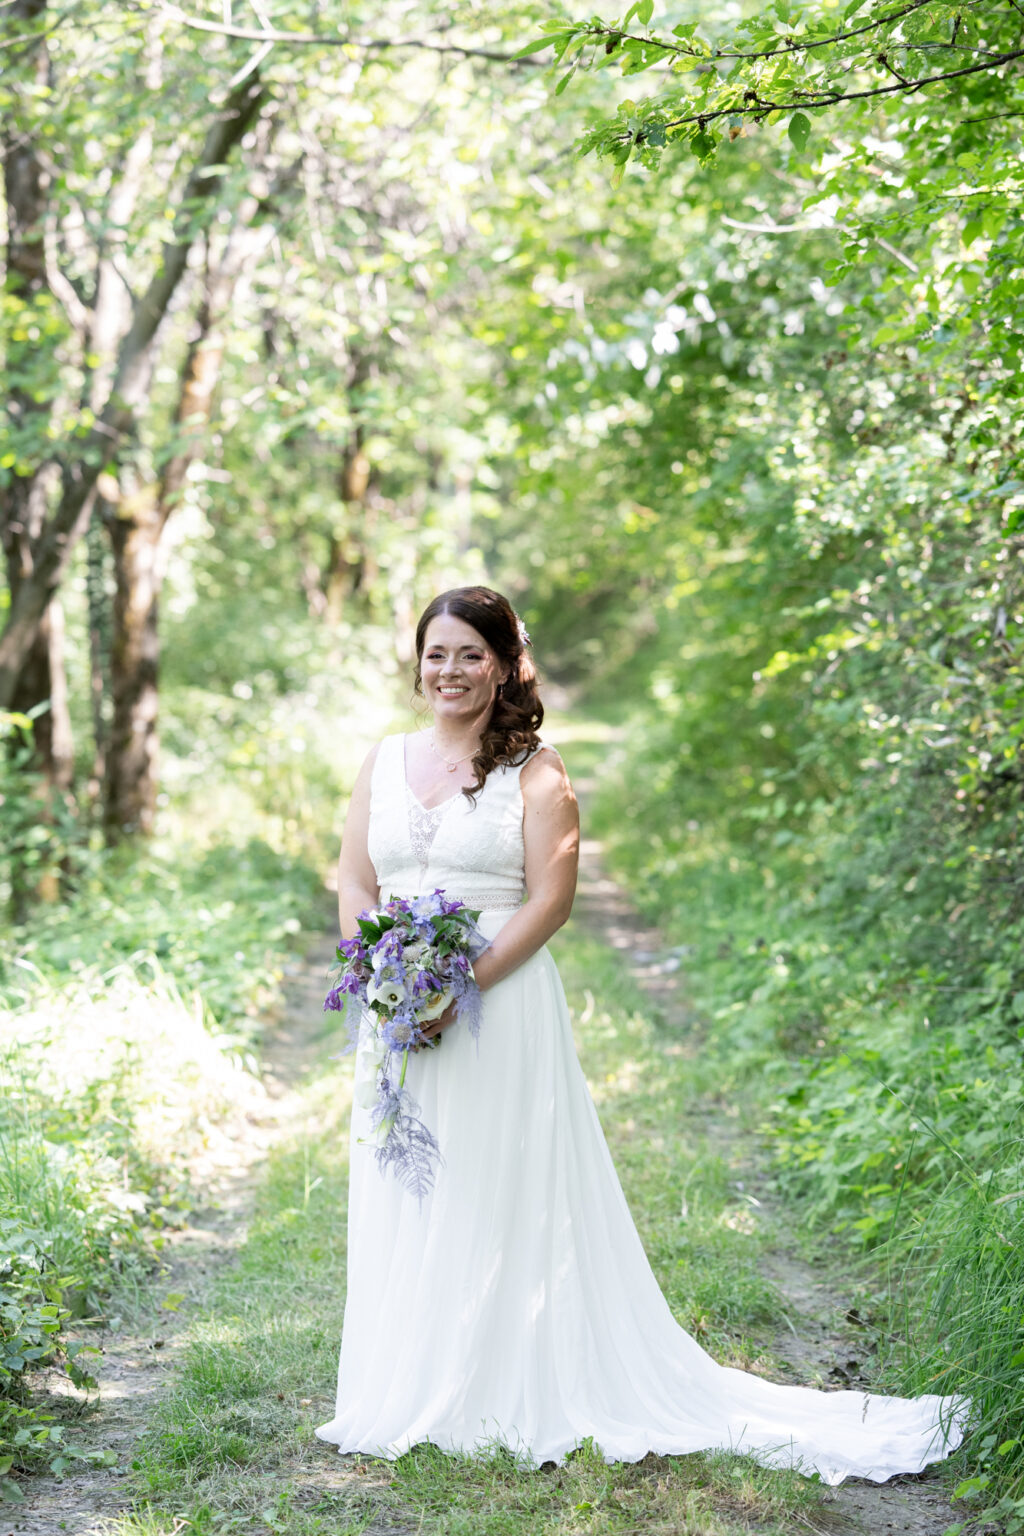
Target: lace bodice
[{"x": 471, "y": 851}]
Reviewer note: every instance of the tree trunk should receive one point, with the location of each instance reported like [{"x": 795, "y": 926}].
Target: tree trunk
[
  {"x": 41, "y": 686},
  {"x": 23, "y": 503},
  {"x": 130, "y": 781},
  {"x": 131, "y": 772},
  {"x": 352, "y": 567},
  {"x": 99, "y": 646},
  {"x": 131, "y": 767}
]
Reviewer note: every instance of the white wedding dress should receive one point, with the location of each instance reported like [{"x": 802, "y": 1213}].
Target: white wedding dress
[{"x": 516, "y": 1305}]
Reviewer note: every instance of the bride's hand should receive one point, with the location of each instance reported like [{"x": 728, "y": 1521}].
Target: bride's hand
[{"x": 436, "y": 1025}]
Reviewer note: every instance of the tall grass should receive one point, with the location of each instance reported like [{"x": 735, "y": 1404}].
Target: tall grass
[
  {"x": 957, "y": 1273},
  {"x": 885, "y": 1055}
]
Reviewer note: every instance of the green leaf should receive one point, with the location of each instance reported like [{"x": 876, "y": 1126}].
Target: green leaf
[
  {"x": 800, "y": 129},
  {"x": 560, "y": 87},
  {"x": 703, "y": 146},
  {"x": 535, "y": 47},
  {"x": 992, "y": 221},
  {"x": 645, "y": 10}
]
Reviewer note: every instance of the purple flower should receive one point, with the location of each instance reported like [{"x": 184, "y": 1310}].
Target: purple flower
[
  {"x": 334, "y": 999},
  {"x": 401, "y": 1032},
  {"x": 425, "y": 982},
  {"x": 387, "y": 948}
]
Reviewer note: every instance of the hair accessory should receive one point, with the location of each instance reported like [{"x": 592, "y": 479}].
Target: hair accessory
[{"x": 524, "y": 638}]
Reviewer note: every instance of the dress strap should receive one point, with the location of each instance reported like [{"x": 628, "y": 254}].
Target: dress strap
[
  {"x": 388, "y": 763},
  {"x": 540, "y": 747}
]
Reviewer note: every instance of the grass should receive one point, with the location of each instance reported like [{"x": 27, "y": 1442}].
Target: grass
[
  {"x": 127, "y": 1022},
  {"x": 232, "y": 1446}
]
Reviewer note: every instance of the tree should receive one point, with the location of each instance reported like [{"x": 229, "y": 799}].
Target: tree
[{"x": 82, "y": 458}]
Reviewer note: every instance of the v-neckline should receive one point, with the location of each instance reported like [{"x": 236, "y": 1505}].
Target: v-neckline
[{"x": 412, "y": 792}]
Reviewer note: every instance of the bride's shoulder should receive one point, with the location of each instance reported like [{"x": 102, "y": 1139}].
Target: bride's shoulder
[
  {"x": 544, "y": 775},
  {"x": 541, "y": 747}
]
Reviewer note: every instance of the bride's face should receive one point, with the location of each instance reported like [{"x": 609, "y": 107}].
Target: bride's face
[{"x": 460, "y": 672}]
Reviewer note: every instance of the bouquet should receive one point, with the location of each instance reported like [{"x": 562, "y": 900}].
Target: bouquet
[{"x": 409, "y": 961}]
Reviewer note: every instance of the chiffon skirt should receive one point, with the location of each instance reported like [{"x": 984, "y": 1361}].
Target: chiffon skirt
[{"x": 516, "y": 1305}]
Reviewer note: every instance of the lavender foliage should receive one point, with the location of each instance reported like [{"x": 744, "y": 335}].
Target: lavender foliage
[{"x": 409, "y": 1148}]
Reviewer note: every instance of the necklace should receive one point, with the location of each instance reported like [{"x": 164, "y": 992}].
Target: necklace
[{"x": 451, "y": 766}]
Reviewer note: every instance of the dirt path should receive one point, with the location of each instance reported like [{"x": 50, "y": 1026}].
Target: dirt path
[{"x": 138, "y": 1360}]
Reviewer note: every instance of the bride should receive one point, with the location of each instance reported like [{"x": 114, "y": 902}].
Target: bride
[{"x": 515, "y": 1304}]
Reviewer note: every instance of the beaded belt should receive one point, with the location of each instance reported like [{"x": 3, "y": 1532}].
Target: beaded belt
[
  {"x": 485, "y": 901},
  {"x": 495, "y": 901}
]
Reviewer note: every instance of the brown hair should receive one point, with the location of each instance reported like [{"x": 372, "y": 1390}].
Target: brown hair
[{"x": 516, "y": 717}]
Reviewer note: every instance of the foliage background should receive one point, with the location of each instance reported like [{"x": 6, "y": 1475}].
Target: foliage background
[{"x": 732, "y": 411}]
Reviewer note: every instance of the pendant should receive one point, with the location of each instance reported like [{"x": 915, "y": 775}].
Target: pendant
[{"x": 451, "y": 767}]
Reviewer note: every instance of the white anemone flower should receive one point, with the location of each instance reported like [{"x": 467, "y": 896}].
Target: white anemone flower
[
  {"x": 385, "y": 991},
  {"x": 438, "y": 1003}
]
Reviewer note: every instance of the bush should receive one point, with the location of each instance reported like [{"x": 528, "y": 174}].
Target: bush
[{"x": 33, "y": 1291}]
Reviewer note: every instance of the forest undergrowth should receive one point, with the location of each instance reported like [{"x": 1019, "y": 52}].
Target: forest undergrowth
[{"x": 878, "y": 1045}]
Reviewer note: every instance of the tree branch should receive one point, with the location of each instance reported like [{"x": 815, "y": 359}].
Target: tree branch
[
  {"x": 762, "y": 108},
  {"x": 791, "y": 46},
  {"x": 61, "y": 286},
  {"x": 316, "y": 39}
]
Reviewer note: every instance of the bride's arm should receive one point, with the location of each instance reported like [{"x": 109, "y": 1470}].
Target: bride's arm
[
  {"x": 551, "y": 835},
  {"x": 357, "y": 878}
]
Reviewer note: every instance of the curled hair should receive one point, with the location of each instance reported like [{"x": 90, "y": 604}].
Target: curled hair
[{"x": 511, "y": 732}]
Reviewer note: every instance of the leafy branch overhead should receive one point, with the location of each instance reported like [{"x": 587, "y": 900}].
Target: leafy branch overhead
[{"x": 787, "y": 59}]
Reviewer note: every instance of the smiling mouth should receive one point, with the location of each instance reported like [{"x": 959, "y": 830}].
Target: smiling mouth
[{"x": 452, "y": 693}]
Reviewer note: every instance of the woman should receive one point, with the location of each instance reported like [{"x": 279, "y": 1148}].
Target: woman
[{"x": 515, "y": 1304}]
